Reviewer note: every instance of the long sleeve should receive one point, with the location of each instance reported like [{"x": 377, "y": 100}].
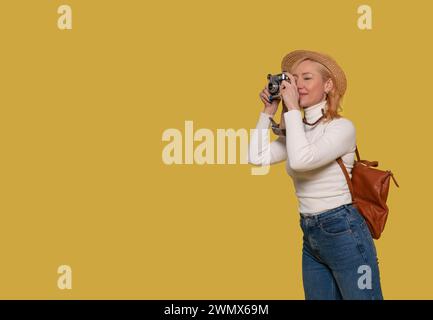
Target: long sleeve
[
  {"x": 261, "y": 151},
  {"x": 338, "y": 139}
]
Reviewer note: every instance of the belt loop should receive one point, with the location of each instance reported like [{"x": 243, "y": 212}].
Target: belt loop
[{"x": 347, "y": 207}]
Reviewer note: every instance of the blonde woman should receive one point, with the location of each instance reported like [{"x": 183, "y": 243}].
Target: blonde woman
[{"x": 339, "y": 258}]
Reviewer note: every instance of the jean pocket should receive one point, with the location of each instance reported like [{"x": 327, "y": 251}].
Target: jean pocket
[{"x": 336, "y": 226}]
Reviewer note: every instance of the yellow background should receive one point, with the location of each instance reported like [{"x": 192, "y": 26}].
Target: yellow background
[{"x": 82, "y": 114}]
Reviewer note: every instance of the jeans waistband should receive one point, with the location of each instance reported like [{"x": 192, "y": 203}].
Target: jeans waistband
[{"x": 328, "y": 213}]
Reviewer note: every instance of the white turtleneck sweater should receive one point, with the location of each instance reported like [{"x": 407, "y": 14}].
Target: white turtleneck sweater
[{"x": 311, "y": 153}]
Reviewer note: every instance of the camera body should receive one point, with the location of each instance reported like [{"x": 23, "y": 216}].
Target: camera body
[{"x": 274, "y": 82}]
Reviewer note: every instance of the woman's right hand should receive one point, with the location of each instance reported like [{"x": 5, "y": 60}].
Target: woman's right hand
[{"x": 270, "y": 107}]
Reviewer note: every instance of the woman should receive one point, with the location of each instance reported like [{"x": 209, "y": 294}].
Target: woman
[{"x": 339, "y": 259}]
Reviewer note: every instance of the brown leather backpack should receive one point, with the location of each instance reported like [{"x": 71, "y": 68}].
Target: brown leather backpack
[{"x": 369, "y": 189}]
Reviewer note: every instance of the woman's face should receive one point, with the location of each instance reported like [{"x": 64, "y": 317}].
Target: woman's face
[{"x": 311, "y": 87}]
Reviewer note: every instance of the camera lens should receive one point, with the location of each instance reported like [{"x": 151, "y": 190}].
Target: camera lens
[{"x": 273, "y": 87}]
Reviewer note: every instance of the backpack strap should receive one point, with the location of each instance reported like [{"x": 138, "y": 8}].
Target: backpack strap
[
  {"x": 357, "y": 153},
  {"x": 346, "y": 174}
]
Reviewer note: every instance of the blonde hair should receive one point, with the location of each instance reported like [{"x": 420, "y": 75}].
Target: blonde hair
[{"x": 333, "y": 97}]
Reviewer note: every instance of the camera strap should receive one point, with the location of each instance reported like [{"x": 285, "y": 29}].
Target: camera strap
[{"x": 315, "y": 122}]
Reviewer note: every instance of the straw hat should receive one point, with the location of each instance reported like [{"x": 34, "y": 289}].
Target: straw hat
[{"x": 337, "y": 73}]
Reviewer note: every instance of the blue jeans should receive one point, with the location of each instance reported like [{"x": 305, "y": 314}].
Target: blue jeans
[{"x": 339, "y": 258}]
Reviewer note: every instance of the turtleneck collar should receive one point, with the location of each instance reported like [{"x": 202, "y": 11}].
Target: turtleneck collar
[{"x": 314, "y": 112}]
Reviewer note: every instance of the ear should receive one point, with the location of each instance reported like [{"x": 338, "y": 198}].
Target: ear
[{"x": 329, "y": 85}]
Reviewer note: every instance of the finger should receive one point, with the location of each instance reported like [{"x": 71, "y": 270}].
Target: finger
[
  {"x": 268, "y": 96},
  {"x": 292, "y": 79},
  {"x": 284, "y": 84},
  {"x": 265, "y": 92},
  {"x": 287, "y": 84},
  {"x": 264, "y": 97},
  {"x": 276, "y": 98}
]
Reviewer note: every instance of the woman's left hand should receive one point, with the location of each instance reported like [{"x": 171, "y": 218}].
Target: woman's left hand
[{"x": 289, "y": 93}]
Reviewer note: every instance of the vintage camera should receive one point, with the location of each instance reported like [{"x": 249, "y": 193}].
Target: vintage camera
[{"x": 274, "y": 85}]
